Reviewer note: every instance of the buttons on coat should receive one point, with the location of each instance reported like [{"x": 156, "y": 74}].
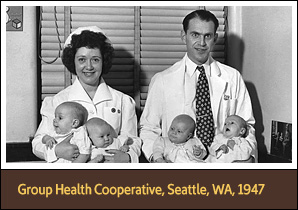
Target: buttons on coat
[{"x": 113, "y": 110}]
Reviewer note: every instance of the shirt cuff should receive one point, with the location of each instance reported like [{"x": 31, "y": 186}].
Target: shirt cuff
[
  {"x": 133, "y": 157},
  {"x": 51, "y": 155}
]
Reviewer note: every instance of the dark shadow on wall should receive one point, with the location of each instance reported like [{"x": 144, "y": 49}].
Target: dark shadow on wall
[
  {"x": 259, "y": 126},
  {"x": 131, "y": 85},
  {"x": 235, "y": 54}
]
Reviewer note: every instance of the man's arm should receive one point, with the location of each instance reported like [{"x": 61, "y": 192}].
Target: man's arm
[
  {"x": 129, "y": 129},
  {"x": 244, "y": 109},
  {"x": 150, "y": 122}
]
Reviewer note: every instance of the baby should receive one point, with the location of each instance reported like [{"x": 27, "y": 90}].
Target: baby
[
  {"x": 103, "y": 137},
  {"x": 230, "y": 145},
  {"x": 69, "y": 120},
  {"x": 180, "y": 146}
]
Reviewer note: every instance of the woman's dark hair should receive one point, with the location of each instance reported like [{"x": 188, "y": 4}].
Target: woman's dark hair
[
  {"x": 203, "y": 15},
  {"x": 90, "y": 40}
]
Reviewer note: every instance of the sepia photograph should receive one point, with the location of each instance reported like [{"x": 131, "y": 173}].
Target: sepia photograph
[{"x": 148, "y": 83}]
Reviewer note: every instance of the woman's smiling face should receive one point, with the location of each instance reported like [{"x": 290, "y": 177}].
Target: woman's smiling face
[{"x": 88, "y": 64}]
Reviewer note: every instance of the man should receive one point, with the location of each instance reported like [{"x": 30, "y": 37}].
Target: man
[{"x": 173, "y": 91}]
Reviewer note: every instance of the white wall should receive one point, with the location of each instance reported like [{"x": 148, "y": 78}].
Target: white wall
[
  {"x": 21, "y": 79},
  {"x": 262, "y": 51}
]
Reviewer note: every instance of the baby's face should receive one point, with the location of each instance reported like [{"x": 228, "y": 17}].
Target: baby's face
[
  {"x": 179, "y": 132},
  {"x": 232, "y": 127},
  {"x": 63, "y": 121},
  {"x": 101, "y": 136}
]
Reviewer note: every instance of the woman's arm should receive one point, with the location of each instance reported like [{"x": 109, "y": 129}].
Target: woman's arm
[{"x": 129, "y": 130}]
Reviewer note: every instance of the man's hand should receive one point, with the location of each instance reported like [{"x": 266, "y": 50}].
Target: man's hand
[
  {"x": 251, "y": 159},
  {"x": 118, "y": 157},
  {"x": 66, "y": 150},
  {"x": 197, "y": 150}
]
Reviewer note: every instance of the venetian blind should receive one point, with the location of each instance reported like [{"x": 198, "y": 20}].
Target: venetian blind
[
  {"x": 52, "y": 39},
  {"x": 146, "y": 41}
]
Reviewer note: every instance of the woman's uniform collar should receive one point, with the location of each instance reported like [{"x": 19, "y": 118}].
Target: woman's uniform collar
[{"x": 78, "y": 93}]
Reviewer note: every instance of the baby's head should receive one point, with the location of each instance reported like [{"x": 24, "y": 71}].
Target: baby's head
[
  {"x": 182, "y": 129},
  {"x": 69, "y": 115},
  {"x": 99, "y": 132},
  {"x": 234, "y": 126}
]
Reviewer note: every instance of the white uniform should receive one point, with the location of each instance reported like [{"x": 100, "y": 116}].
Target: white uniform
[
  {"x": 178, "y": 153},
  {"x": 113, "y": 106},
  {"x": 241, "y": 151},
  {"x": 172, "y": 92}
]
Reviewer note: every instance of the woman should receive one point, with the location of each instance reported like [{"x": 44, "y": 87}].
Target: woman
[{"x": 88, "y": 55}]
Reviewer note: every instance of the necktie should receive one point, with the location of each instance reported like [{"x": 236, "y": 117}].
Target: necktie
[{"x": 204, "y": 117}]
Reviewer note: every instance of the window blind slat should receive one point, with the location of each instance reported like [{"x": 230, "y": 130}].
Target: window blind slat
[
  {"x": 103, "y": 18},
  {"x": 155, "y": 68},
  {"x": 103, "y": 10},
  {"x": 46, "y": 67},
  {"x": 156, "y": 54},
  {"x": 157, "y": 61},
  {"x": 103, "y": 25},
  {"x": 172, "y": 12},
  {"x": 52, "y": 89},
  {"x": 122, "y": 68}
]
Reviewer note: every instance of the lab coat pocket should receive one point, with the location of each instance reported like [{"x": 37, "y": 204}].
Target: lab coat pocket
[
  {"x": 113, "y": 116},
  {"x": 228, "y": 107}
]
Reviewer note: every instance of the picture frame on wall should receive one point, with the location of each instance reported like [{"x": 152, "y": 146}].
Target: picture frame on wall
[{"x": 281, "y": 140}]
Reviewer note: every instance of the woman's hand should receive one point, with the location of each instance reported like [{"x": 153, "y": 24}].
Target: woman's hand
[
  {"x": 118, "y": 157},
  {"x": 66, "y": 150},
  {"x": 251, "y": 159}
]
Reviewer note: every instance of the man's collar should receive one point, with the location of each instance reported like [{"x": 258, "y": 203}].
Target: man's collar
[{"x": 191, "y": 66}]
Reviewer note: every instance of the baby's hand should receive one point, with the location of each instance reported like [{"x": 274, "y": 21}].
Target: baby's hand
[
  {"x": 231, "y": 143},
  {"x": 197, "y": 150},
  {"x": 50, "y": 143},
  {"x": 124, "y": 148},
  {"x": 160, "y": 160},
  {"x": 224, "y": 148},
  {"x": 99, "y": 158}
]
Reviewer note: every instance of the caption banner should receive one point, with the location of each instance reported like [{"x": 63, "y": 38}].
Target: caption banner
[{"x": 149, "y": 189}]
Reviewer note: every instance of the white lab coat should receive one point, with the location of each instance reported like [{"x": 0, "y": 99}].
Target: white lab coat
[
  {"x": 113, "y": 106},
  {"x": 171, "y": 94}
]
